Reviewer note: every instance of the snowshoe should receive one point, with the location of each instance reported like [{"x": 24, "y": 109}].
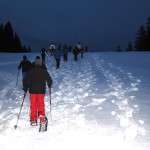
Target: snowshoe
[
  {"x": 43, "y": 124},
  {"x": 33, "y": 123}
]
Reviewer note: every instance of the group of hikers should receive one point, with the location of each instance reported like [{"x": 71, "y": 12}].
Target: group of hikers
[
  {"x": 35, "y": 76},
  {"x": 62, "y": 51}
]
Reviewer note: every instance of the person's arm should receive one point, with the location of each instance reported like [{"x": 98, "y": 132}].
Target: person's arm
[
  {"x": 26, "y": 82},
  {"x": 20, "y": 65}
]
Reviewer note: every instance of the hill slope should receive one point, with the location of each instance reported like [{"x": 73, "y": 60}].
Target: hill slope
[{"x": 101, "y": 101}]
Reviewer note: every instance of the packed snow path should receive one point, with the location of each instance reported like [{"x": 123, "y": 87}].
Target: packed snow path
[{"x": 93, "y": 104}]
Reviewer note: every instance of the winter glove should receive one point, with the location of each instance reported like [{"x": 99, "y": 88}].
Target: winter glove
[{"x": 25, "y": 92}]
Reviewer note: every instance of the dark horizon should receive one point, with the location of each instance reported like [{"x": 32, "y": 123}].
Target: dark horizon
[{"x": 100, "y": 25}]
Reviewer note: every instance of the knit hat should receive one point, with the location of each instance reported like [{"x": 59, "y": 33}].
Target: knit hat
[
  {"x": 37, "y": 57},
  {"x": 24, "y": 57},
  {"x": 38, "y": 61}
]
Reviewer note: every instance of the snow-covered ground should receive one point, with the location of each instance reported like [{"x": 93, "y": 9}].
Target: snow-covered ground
[{"x": 100, "y": 102}]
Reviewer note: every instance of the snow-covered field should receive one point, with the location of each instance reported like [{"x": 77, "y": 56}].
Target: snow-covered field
[{"x": 100, "y": 102}]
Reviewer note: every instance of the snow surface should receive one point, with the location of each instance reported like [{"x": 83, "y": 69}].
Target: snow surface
[{"x": 100, "y": 102}]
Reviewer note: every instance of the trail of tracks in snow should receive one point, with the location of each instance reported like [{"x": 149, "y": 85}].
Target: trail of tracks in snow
[
  {"x": 72, "y": 86},
  {"x": 79, "y": 104},
  {"x": 120, "y": 96},
  {"x": 9, "y": 98}
]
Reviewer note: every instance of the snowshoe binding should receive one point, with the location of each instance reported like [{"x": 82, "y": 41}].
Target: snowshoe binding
[{"x": 43, "y": 124}]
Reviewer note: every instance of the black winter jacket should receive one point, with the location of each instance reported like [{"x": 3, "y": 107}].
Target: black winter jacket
[
  {"x": 36, "y": 80},
  {"x": 25, "y": 65}
]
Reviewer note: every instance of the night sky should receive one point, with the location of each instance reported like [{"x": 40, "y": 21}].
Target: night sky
[{"x": 99, "y": 24}]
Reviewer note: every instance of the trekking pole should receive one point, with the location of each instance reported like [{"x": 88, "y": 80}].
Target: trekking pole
[
  {"x": 17, "y": 78},
  {"x": 20, "y": 110},
  {"x": 50, "y": 105},
  {"x": 50, "y": 96}
]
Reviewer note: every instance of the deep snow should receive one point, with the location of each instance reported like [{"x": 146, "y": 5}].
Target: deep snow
[{"x": 99, "y": 102}]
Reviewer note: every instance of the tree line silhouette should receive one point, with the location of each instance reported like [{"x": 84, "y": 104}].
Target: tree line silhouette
[
  {"x": 142, "y": 42},
  {"x": 10, "y": 41},
  {"x": 142, "y": 39}
]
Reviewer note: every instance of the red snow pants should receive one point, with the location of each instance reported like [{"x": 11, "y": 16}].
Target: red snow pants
[{"x": 36, "y": 106}]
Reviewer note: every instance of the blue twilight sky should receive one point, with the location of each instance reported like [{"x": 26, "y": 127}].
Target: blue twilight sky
[{"x": 99, "y": 24}]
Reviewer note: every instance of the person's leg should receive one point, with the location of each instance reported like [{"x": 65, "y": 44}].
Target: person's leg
[
  {"x": 33, "y": 107},
  {"x": 76, "y": 58},
  {"x": 57, "y": 63},
  {"x": 44, "y": 58},
  {"x": 23, "y": 75},
  {"x": 40, "y": 105}
]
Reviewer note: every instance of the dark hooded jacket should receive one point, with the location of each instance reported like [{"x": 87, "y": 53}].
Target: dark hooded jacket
[
  {"x": 25, "y": 65},
  {"x": 36, "y": 80}
]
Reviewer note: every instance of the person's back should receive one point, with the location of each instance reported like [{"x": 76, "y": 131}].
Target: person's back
[
  {"x": 35, "y": 81},
  {"x": 52, "y": 49},
  {"x": 58, "y": 54},
  {"x": 38, "y": 77},
  {"x": 43, "y": 52},
  {"x": 75, "y": 51},
  {"x": 25, "y": 65}
]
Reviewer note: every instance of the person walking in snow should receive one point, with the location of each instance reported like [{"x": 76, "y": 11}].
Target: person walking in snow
[
  {"x": 65, "y": 52},
  {"x": 25, "y": 64},
  {"x": 75, "y": 53},
  {"x": 43, "y": 54},
  {"x": 57, "y": 55},
  {"x": 52, "y": 49},
  {"x": 35, "y": 81}
]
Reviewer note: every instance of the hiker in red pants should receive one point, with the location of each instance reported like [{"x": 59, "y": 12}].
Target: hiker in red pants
[{"x": 36, "y": 80}]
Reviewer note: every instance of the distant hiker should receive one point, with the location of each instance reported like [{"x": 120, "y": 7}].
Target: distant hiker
[
  {"x": 65, "y": 52},
  {"x": 82, "y": 51},
  {"x": 52, "y": 49},
  {"x": 43, "y": 54},
  {"x": 35, "y": 81},
  {"x": 25, "y": 64},
  {"x": 38, "y": 62},
  {"x": 75, "y": 53},
  {"x": 57, "y": 55}
]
